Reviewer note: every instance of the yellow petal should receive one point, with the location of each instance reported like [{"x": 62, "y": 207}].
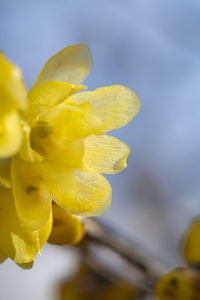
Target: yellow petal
[
  {"x": 94, "y": 195},
  {"x": 12, "y": 87},
  {"x": 69, "y": 155},
  {"x": 32, "y": 201},
  {"x": 15, "y": 242},
  {"x": 26, "y": 151},
  {"x": 104, "y": 154},
  {"x": 80, "y": 193},
  {"x": 69, "y": 124},
  {"x": 115, "y": 105},
  {"x": 10, "y": 134},
  {"x": 120, "y": 289},
  {"x": 59, "y": 182},
  {"x": 67, "y": 228},
  {"x": 178, "y": 284},
  {"x": 192, "y": 243},
  {"x": 5, "y": 173},
  {"x": 72, "y": 64},
  {"x": 44, "y": 232},
  {"x": 49, "y": 93},
  {"x": 3, "y": 257},
  {"x": 26, "y": 266},
  {"x": 54, "y": 146}
]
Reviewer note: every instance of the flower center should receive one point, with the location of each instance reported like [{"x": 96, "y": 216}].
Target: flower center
[{"x": 43, "y": 129}]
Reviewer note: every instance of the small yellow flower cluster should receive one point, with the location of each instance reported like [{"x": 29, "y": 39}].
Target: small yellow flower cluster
[
  {"x": 183, "y": 283},
  {"x": 53, "y": 149}
]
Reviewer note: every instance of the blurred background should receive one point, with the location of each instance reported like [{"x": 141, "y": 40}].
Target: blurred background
[{"x": 152, "y": 47}]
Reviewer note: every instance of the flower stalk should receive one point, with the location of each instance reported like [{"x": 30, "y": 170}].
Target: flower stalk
[{"x": 144, "y": 267}]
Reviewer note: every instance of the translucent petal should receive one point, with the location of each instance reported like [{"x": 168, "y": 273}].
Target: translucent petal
[
  {"x": 49, "y": 93},
  {"x": 56, "y": 134},
  {"x": 12, "y": 87},
  {"x": 72, "y": 64},
  {"x": 10, "y": 134},
  {"x": 44, "y": 232},
  {"x": 5, "y": 173},
  {"x": 26, "y": 151},
  {"x": 54, "y": 146},
  {"x": 67, "y": 228},
  {"x": 69, "y": 124},
  {"x": 68, "y": 154},
  {"x": 80, "y": 193},
  {"x": 94, "y": 195},
  {"x": 60, "y": 183},
  {"x": 33, "y": 202},
  {"x": 104, "y": 154},
  {"x": 15, "y": 242},
  {"x": 115, "y": 105}
]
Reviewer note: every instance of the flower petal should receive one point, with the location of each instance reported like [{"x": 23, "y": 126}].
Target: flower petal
[
  {"x": 26, "y": 266},
  {"x": 32, "y": 201},
  {"x": 104, "y": 154},
  {"x": 5, "y": 175},
  {"x": 26, "y": 152},
  {"x": 60, "y": 183},
  {"x": 49, "y": 93},
  {"x": 69, "y": 124},
  {"x": 191, "y": 242},
  {"x": 3, "y": 257},
  {"x": 15, "y": 242},
  {"x": 115, "y": 105},
  {"x": 72, "y": 64},
  {"x": 83, "y": 194},
  {"x": 68, "y": 155},
  {"x": 94, "y": 195},
  {"x": 67, "y": 228},
  {"x": 10, "y": 134},
  {"x": 12, "y": 87}
]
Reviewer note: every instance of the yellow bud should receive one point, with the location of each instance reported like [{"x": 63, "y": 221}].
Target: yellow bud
[
  {"x": 179, "y": 284},
  {"x": 191, "y": 243}
]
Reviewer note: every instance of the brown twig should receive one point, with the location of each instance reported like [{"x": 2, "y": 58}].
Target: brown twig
[{"x": 100, "y": 234}]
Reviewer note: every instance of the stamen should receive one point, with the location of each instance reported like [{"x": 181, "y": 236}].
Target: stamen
[{"x": 30, "y": 189}]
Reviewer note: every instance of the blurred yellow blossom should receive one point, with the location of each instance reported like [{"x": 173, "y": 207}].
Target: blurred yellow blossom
[
  {"x": 12, "y": 96},
  {"x": 65, "y": 148},
  {"x": 87, "y": 283},
  {"x": 191, "y": 242},
  {"x": 19, "y": 244},
  {"x": 179, "y": 284},
  {"x": 67, "y": 228}
]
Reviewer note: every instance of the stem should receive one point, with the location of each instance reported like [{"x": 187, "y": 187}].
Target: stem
[{"x": 101, "y": 234}]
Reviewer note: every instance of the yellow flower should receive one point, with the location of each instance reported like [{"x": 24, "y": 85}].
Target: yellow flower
[
  {"x": 12, "y": 96},
  {"x": 68, "y": 146},
  {"x": 16, "y": 242},
  {"x": 67, "y": 228},
  {"x": 65, "y": 147},
  {"x": 180, "y": 284},
  {"x": 191, "y": 242}
]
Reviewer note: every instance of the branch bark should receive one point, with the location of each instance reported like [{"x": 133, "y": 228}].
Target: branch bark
[{"x": 139, "y": 258}]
